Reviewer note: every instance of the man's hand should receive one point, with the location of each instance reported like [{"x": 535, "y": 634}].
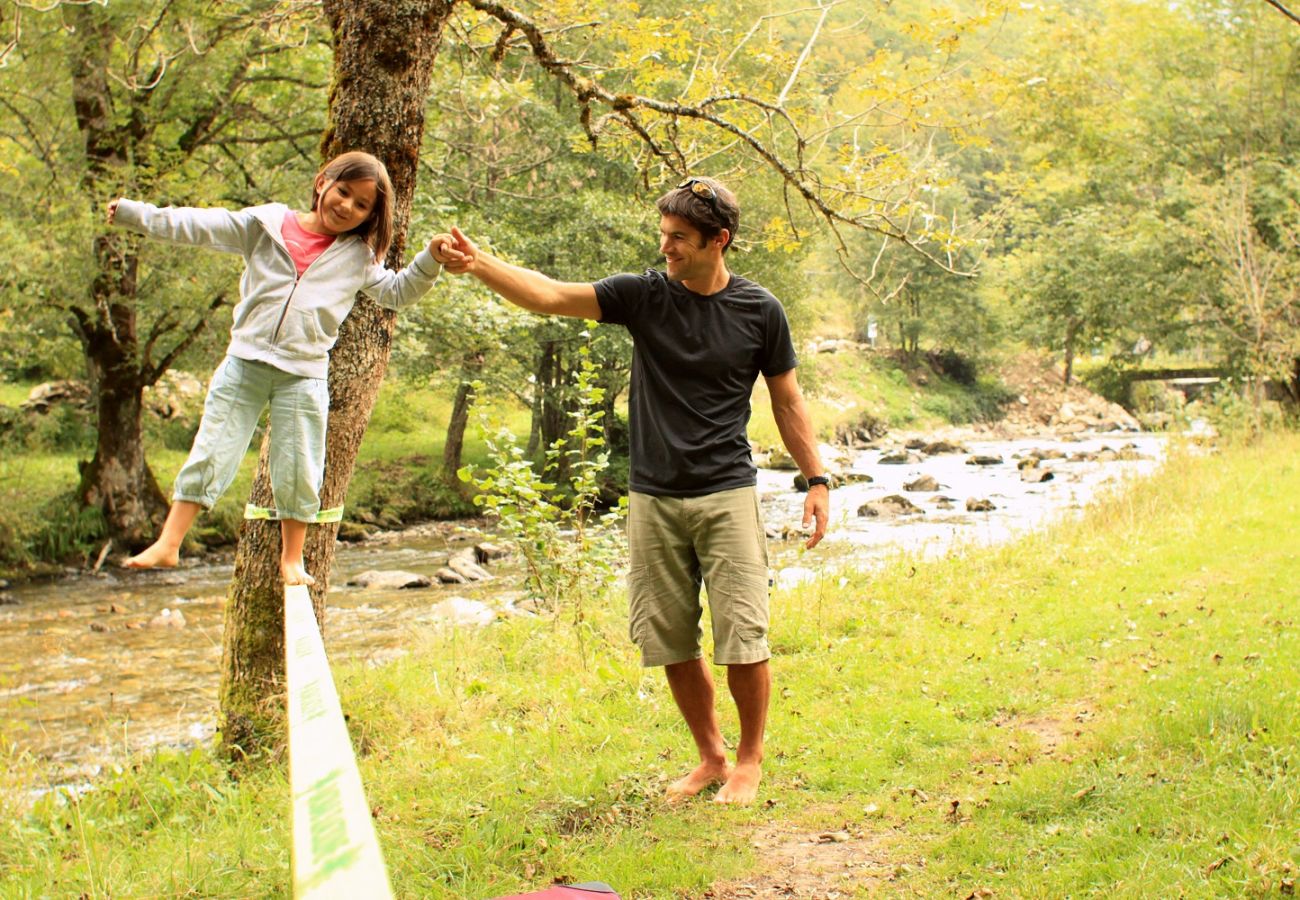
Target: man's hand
[
  {"x": 816, "y": 507},
  {"x": 444, "y": 249},
  {"x": 454, "y": 252},
  {"x": 112, "y": 211}
]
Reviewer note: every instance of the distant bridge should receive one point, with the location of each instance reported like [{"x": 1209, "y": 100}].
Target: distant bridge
[
  {"x": 1189, "y": 381},
  {"x": 1192, "y": 380}
]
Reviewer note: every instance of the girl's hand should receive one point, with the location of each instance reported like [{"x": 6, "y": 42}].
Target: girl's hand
[
  {"x": 453, "y": 252},
  {"x": 112, "y": 210}
]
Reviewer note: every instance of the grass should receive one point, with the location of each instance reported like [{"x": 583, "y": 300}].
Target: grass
[
  {"x": 396, "y": 474},
  {"x": 861, "y": 388},
  {"x": 1105, "y": 708}
]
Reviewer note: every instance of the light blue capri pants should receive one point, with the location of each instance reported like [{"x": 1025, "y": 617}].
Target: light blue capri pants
[{"x": 240, "y": 390}]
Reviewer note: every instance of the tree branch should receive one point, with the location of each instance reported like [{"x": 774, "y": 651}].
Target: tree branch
[
  {"x": 153, "y": 373},
  {"x": 1284, "y": 11},
  {"x": 623, "y": 108}
]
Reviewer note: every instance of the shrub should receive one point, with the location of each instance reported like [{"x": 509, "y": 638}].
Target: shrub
[{"x": 570, "y": 551}]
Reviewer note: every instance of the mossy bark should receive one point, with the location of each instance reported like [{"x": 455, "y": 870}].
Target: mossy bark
[{"x": 384, "y": 53}]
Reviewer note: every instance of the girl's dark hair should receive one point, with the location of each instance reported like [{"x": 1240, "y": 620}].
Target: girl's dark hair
[
  {"x": 377, "y": 230},
  {"x": 709, "y": 214}
]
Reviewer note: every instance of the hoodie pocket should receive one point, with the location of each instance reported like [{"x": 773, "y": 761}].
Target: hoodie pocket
[{"x": 300, "y": 335}]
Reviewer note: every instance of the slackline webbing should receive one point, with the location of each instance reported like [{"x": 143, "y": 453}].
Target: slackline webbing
[
  {"x": 335, "y": 849},
  {"x": 333, "y": 514}
]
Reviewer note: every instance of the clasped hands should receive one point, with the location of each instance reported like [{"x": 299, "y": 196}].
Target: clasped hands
[{"x": 454, "y": 252}]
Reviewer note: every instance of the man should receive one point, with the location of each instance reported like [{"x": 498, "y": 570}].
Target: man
[{"x": 701, "y": 336}]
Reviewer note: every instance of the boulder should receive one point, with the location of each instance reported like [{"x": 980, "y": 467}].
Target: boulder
[
  {"x": 899, "y": 458},
  {"x": 974, "y": 505},
  {"x": 778, "y": 459},
  {"x": 175, "y": 395},
  {"x": 465, "y": 564},
  {"x": 354, "y": 532},
  {"x": 889, "y": 507},
  {"x": 1036, "y": 475},
  {"x": 390, "y": 579},
  {"x": 854, "y": 478},
  {"x": 46, "y": 395},
  {"x": 924, "y": 483},
  {"x": 981, "y": 460},
  {"x": 937, "y": 447},
  {"x": 487, "y": 552},
  {"x": 447, "y": 576}
]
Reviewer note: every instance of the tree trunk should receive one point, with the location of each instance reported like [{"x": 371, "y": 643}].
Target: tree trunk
[
  {"x": 1071, "y": 333},
  {"x": 454, "y": 446},
  {"x": 383, "y": 58},
  {"x": 117, "y": 479}
]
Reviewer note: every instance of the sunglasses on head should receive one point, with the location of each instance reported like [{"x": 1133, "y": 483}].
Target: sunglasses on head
[{"x": 701, "y": 190}]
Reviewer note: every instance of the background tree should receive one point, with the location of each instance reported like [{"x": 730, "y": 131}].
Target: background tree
[{"x": 164, "y": 101}]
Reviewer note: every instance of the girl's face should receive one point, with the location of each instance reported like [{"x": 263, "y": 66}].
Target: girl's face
[{"x": 344, "y": 205}]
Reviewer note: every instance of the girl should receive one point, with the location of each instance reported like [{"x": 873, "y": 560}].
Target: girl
[{"x": 302, "y": 274}]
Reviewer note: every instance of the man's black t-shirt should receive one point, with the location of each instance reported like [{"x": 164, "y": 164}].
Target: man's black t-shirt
[{"x": 694, "y": 363}]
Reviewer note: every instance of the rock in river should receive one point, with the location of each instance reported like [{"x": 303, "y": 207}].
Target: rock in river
[{"x": 390, "y": 579}]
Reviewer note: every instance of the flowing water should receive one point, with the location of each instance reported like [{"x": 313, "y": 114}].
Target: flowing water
[{"x": 91, "y": 671}]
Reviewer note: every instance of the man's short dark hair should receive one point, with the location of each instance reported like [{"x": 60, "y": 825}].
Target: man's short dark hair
[{"x": 708, "y": 214}]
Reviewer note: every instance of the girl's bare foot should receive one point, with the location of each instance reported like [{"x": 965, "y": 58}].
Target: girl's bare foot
[
  {"x": 742, "y": 787},
  {"x": 294, "y": 573},
  {"x": 157, "y": 556},
  {"x": 702, "y": 776}
]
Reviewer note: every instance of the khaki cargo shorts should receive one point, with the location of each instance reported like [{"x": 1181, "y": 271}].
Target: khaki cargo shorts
[{"x": 678, "y": 544}]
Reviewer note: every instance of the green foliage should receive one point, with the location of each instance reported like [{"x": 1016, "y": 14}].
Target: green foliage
[
  {"x": 570, "y": 550},
  {"x": 1237, "y": 411},
  {"x": 67, "y": 529}
]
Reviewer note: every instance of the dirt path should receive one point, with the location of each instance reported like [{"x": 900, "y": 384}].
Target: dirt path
[{"x": 859, "y": 860}]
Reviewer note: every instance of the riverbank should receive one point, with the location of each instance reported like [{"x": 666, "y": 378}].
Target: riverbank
[
  {"x": 855, "y": 394},
  {"x": 1106, "y": 706}
]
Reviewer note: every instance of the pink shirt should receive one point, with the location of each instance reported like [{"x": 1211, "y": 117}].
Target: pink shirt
[{"x": 304, "y": 246}]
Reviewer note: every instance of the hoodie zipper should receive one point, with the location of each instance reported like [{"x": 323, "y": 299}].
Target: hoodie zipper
[{"x": 297, "y": 279}]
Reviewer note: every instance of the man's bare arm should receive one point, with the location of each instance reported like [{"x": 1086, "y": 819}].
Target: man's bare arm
[
  {"x": 795, "y": 425},
  {"x": 525, "y": 288}
]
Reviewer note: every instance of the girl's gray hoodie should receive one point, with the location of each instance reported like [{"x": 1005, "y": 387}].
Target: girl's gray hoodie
[{"x": 282, "y": 319}]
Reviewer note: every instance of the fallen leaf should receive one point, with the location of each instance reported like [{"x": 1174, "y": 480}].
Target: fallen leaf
[
  {"x": 1217, "y": 864},
  {"x": 833, "y": 837},
  {"x": 1079, "y": 795}
]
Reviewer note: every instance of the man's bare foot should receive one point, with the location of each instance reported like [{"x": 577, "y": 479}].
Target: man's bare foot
[
  {"x": 294, "y": 573},
  {"x": 157, "y": 556},
  {"x": 742, "y": 787},
  {"x": 702, "y": 776}
]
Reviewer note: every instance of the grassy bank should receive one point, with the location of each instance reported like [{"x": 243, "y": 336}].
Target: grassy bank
[
  {"x": 396, "y": 478},
  {"x": 1107, "y": 708}
]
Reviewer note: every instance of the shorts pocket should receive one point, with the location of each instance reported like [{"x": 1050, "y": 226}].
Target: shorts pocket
[{"x": 742, "y": 599}]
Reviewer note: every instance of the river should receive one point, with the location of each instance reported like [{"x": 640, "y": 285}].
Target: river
[{"x": 90, "y": 674}]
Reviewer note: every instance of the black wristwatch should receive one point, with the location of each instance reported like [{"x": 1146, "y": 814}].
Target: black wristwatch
[{"x": 819, "y": 479}]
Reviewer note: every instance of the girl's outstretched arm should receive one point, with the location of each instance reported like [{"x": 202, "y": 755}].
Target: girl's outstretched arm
[{"x": 218, "y": 229}]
